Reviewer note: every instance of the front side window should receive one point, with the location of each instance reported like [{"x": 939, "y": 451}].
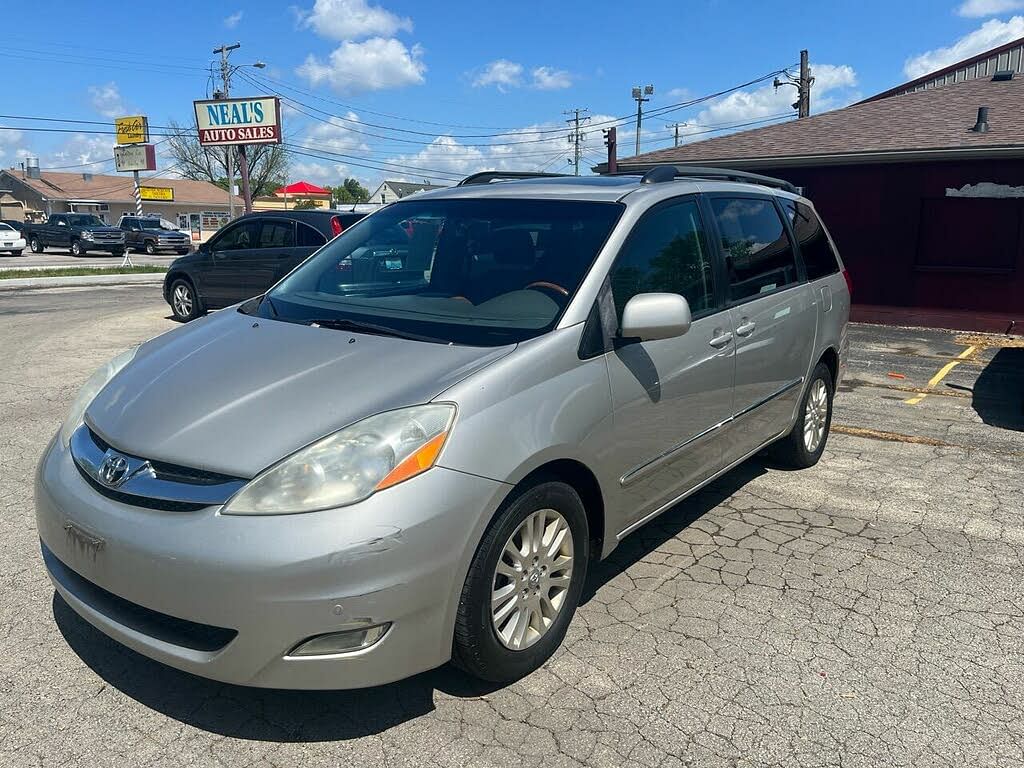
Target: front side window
[
  {"x": 819, "y": 257},
  {"x": 758, "y": 255},
  {"x": 483, "y": 271},
  {"x": 239, "y": 237},
  {"x": 666, "y": 253},
  {"x": 85, "y": 220}
]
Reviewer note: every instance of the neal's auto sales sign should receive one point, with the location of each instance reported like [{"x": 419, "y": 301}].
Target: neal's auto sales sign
[{"x": 239, "y": 121}]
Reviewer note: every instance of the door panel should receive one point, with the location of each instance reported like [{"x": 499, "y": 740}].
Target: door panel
[
  {"x": 232, "y": 257},
  {"x": 774, "y": 319},
  {"x": 669, "y": 397}
]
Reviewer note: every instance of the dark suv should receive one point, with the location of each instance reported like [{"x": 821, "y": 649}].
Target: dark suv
[
  {"x": 149, "y": 234},
  {"x": 247, "y": 257}
]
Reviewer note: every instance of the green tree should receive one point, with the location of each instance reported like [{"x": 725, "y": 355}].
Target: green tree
[
  {"x": 268, "y": 163},
  {"x": 350, "y": 191},
  {"x": 304, "y": 205}
]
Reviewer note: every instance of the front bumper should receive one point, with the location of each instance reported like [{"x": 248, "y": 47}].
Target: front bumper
[
  {"x": 102, "y": 245},
  {"x": 400, "y": 557}
]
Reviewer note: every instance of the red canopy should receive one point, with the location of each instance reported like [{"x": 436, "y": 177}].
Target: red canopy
[{"x": 301, "y": 188}]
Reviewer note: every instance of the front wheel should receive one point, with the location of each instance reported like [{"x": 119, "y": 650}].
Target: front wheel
[
  {"x": 185, "y": 302},
  {"x": 524, "y": 583},
  {"x": 77, "y": 249},
  {"x": 35, "y": 245},
  {"x": 805, "y": 443},
  {"x": 150, "y": 248}
]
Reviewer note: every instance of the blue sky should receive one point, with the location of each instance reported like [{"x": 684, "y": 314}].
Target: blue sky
[{"x": 421, "y": 73}]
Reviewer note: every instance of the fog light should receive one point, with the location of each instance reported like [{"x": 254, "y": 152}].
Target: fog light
[{"x": 341, "y": 642}]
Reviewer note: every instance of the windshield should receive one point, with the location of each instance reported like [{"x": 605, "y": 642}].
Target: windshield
[
  {"x": 482, "y": 272},
  {"x": 84, "y": 220}
]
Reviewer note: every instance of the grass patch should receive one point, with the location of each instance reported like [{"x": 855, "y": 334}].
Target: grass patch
[{"x": 14, "y": 274}]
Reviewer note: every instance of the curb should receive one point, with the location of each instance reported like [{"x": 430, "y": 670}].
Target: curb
[{"x": 77, "y": 281}]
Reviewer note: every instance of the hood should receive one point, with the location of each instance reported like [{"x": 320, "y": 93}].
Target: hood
[{"x": 234, "y": 394}]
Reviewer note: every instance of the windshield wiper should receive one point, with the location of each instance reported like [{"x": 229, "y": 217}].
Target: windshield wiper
[{"x": 358, "y": 326}]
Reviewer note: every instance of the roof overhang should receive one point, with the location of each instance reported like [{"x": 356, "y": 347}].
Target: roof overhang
[{"x": 846, "y": 158}]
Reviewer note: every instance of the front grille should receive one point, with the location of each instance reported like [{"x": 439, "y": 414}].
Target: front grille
[
  {"x": 160, "y": 626},
  {"x": 103, "y": 237},
  {"x": 151, "y": 483}
]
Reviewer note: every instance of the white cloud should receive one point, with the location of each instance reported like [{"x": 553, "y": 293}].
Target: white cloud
[
  {"x": 324, "y": 173},
  {"x": 352, "y": 19},
  {"x": 679, "y": 94},
  {"x": 979, "y": 8},
  {"x": 371, "y": 65},
  {"x": 502, "y": 73},
  {"x": 989, "y": 35},
  {"x": 551, "y": 79},
  {"x": 107, "y": 100},
  {"x": 336, "y": 135},
  {"x": 232, "y": 21}
]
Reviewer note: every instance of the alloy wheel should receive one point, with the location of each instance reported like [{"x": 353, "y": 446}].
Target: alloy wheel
[
  {"x": 531, "y": 579},
  {"x": 182, "y": 300},
  {"x": 815, "y": 416}
]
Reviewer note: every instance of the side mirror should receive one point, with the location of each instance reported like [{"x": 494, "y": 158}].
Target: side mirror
[{"x": 652, "y": 316}]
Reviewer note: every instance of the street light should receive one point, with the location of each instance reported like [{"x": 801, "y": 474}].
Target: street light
[{"x": 639, "y": 94}]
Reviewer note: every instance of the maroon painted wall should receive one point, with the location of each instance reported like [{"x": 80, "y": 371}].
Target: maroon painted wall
[{"x": 874, "y": 215}]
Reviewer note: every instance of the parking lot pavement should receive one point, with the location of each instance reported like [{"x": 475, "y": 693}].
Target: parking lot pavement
[
  {"x": 58, "y": 257},
  {"x": 866, "y": 612}
]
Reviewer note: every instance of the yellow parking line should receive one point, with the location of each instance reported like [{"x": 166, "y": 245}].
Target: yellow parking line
[{"x": 943, "y": 372}]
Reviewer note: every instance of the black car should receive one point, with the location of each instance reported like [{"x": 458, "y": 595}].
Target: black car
[{"x": 248, "y": 256}]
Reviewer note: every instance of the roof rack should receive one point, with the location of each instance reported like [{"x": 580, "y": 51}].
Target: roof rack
[
  {"x": 486, "y": 177},
  {"x": 662, "y": 173}
]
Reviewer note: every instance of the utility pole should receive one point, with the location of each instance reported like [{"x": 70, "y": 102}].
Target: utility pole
[
  {"x": 639, "y": 94},
  {"x": 243, "y": 161},
  {"x": 609, "y": 141},
  {"x": 676, "y": 126},
  {"x": 803, "y": 83},
  {"x": 576, "y": 136}
]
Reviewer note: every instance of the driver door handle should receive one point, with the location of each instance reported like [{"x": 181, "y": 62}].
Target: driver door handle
[
  {"x": 746, "y": 328},
  {"x": 720, "y": 341}
]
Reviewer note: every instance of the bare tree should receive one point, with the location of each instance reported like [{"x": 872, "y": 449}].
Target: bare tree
[{"x": 268, "y": 163}]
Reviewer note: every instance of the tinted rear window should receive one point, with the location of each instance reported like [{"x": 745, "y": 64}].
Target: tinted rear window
[{"x": 815, "y": 248}]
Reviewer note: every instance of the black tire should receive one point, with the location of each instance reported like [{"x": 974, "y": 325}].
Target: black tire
[
  {"x": 16, "y": 253},
  {"x": 476, "y": 647},
  {"x": 77, "y": 249},
  {"x": 793, "y": 450},
  {"x": 195, "y": 304},
  {"x": 150, "y": 248},
  {"x": 35, "y": 246}
]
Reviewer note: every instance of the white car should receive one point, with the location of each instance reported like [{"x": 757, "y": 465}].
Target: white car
[{"x": 11, "y": 240}]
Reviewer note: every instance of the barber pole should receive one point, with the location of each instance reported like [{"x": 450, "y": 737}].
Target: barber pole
[{"x": 138, "y": 195}]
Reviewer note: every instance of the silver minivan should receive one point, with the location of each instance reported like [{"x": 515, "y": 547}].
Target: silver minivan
[{"x": 412, "y": 448}]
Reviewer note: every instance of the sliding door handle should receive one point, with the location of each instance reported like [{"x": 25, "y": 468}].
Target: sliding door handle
[
  {"x": 720, "y": 341},
  {"x": 745, "y": 329}
]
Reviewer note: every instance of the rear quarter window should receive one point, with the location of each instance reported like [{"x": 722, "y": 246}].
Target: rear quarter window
[{"x": 815, "y": 248}]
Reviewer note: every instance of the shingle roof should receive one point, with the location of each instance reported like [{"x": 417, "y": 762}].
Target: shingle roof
[
  {"x": 403, "y": 188},
  {"x": 56, "y": 185},
  {"x": 937, "y": 120}
]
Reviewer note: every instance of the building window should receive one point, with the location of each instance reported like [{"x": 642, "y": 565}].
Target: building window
[{"x": 963, "y": 234}]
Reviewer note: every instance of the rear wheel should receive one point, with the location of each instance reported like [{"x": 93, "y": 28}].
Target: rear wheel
[
  {"x": 524, "y": 584},
  {"x": 185, "y": 302},
  {"x": 35, "y": 245},
  {"x": 805, "y": 443},
  {"x": 16, "y": 253},
  {"x": 77, "y": 249}
]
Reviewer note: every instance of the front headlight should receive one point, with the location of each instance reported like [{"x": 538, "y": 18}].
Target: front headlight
[
  {"x": 90, "y": 389},
  {"x": 88, "y": 235},
  {"x": 350, "y": 465}
]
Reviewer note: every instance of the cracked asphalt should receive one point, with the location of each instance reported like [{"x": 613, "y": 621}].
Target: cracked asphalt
[{"x": 866, "y": 612}]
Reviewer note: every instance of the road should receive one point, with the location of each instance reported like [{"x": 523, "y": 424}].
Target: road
[
  {"x": 866, "y": 612},
  {"x": 58, "y": 257}
]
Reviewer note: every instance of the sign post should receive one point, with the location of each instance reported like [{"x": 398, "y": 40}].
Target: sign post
[
  {"x": 133, "y": 153},
  {"x": 237, "y": 122}
]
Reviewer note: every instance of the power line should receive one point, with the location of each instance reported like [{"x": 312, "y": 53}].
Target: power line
[{"x": 576, "y": 136}]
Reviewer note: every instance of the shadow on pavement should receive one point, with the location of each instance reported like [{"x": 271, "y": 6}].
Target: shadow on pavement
[
  {"x": 999, "y": 390},
  {"x": 313, "y": 716}
]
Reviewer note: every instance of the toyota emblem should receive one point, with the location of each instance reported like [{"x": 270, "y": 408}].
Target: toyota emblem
[{"x": 114, "y": 470}]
